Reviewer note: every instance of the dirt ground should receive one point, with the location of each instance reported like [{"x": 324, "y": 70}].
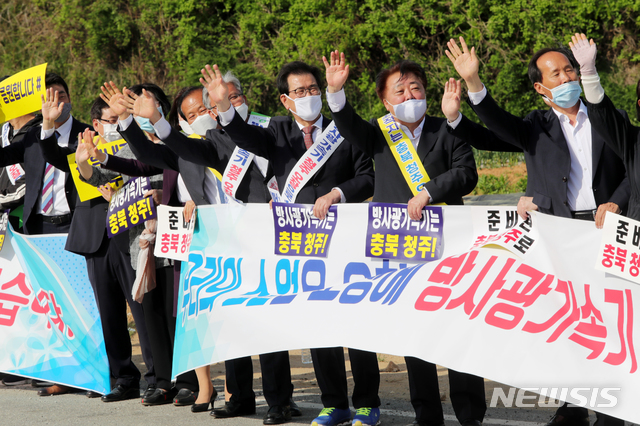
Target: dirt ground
[{"x": 513, "y": 173}]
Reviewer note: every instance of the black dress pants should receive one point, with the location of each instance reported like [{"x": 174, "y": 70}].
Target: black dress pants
[
  {"x": 466, "y": 392},
  {"x": 111, "y": 277},
  {"x": 276, "y": 379},
  {"x": 331, "y": 374},
  {"x": 161, "y": 325}
]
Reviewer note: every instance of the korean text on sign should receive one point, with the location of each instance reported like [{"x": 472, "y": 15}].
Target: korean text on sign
[
  {"x": 391, "y": 234},
  {"x": 129, "y": 207},
  {"x": 299, "y": 233},
  {"x": 174, "y": 234},
  {"x": 619, "y": 252}
]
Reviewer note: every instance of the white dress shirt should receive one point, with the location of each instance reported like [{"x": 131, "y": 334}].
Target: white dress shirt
[{"x": 580, "y": 184}]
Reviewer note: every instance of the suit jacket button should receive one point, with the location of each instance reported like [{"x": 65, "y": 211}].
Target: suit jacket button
[
  {"x": 564, "y": 179},
  {"x": 566, "y": 203},
  {"x": 315, "y": 184}
]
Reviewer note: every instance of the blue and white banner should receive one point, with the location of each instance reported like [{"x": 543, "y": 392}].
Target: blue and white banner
[
  {"x": 544, "y": 319},
  {"x": 50, "y": 328}
]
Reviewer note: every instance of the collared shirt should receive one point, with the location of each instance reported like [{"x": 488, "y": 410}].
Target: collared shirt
[
  {"x": 227, "y": 116},
  {"x": 60, "y": 204},
  {"x": 580, "y": 184}
]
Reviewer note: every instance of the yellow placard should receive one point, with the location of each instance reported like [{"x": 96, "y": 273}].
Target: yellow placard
[
  {"x": 21, "y": 93},
  {"x": 86, "y": 191}
]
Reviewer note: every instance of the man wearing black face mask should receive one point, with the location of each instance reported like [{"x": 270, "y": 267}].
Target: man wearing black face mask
[{"x": 346, "y": 176}]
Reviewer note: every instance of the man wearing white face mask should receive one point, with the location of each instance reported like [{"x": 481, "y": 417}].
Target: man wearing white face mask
[
  {"x": 571, "y": 173},
  {"x": 346, "y": 176},
  {"x": 449, "y": 172},
  {"x": 217, "y": 148}
]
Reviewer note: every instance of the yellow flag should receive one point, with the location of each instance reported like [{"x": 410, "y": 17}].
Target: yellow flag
[{"x": 21, "y": 93}]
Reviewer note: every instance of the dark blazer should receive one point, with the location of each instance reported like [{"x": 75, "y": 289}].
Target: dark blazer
[
  {"x": 623, "y": 138},
  {"x": 282, "y": 143},
  {"x": 215, "y": 151},
  {"x": 89, "y": 224},
  {"x": 447, "y": 159},
  {"x": 547, "y": 156},
  {"x": 163, "y": 157},
  {"x": 28, "y": 151}
]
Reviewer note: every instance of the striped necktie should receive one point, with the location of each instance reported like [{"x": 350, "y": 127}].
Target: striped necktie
[
  {"x": 308, "y": 138},
  {"x": 47, "y": 187}
]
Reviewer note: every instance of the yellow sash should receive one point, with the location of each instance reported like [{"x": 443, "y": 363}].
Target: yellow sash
[{"x": 405, "y": 154}]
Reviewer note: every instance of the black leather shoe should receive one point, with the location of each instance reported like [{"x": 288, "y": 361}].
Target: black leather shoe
[
  {"x": 149, "y": 391},
  {"x": 295, "y": 410},
  {"x": 233, "y": 409},
  {"x": 160, "y": 397},
  {"x": 122, "y": 393},
  {"x": 472, "y": 423},
  {"x": 277, "y": 415},
  {"x": 568, "y": 421},
  {"x": 185, "y": 397},
  {"x": 92, "y": 394}
]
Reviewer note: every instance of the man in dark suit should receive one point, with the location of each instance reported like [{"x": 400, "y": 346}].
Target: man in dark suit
[
  {"x": 108, "y": 263},
  {"x": 55, "y": 217},
  {"x": 572, "y": 173},
  {"x": 347, "y": 176},
  {"x": 215, "y": 151},
  {"x": 451, "y": 168}
]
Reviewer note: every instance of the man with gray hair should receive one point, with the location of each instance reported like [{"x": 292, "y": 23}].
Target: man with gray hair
[{"x": 218, "y": 151}]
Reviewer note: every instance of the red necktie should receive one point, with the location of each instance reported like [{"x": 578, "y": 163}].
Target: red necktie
[{"x": 308, "y": 139}]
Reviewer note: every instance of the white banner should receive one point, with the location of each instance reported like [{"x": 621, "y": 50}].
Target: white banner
[{"x": 541, "y": 319}]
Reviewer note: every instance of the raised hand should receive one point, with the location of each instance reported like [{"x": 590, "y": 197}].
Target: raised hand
[
  {"x": 142, "y": 106},
  {"x": 585, "y": 53},
  {"x": 337, "y": 71},
  {"x": 466, "y": 63},
  {"x": 82, "y": 150},
  {"x": 218, "y": 90},
  {"x": 50, "y": 109},
  {"x": 451, "y": 99},
  {"x": 112, "y": 96}
]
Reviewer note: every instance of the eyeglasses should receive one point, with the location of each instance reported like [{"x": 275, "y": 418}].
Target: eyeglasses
[
  {"x": 300, "y": 92},
  {"x": 112, "y": 121},
  {"x": 232, "y": 99}
]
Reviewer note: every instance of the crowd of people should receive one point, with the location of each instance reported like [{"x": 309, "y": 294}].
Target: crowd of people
[{"x": 577, "y": 155}]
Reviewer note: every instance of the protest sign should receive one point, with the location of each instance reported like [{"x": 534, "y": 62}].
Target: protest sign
[
  {"x": 21, "y": 93},
  {"x": 570, "y": 324}
]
